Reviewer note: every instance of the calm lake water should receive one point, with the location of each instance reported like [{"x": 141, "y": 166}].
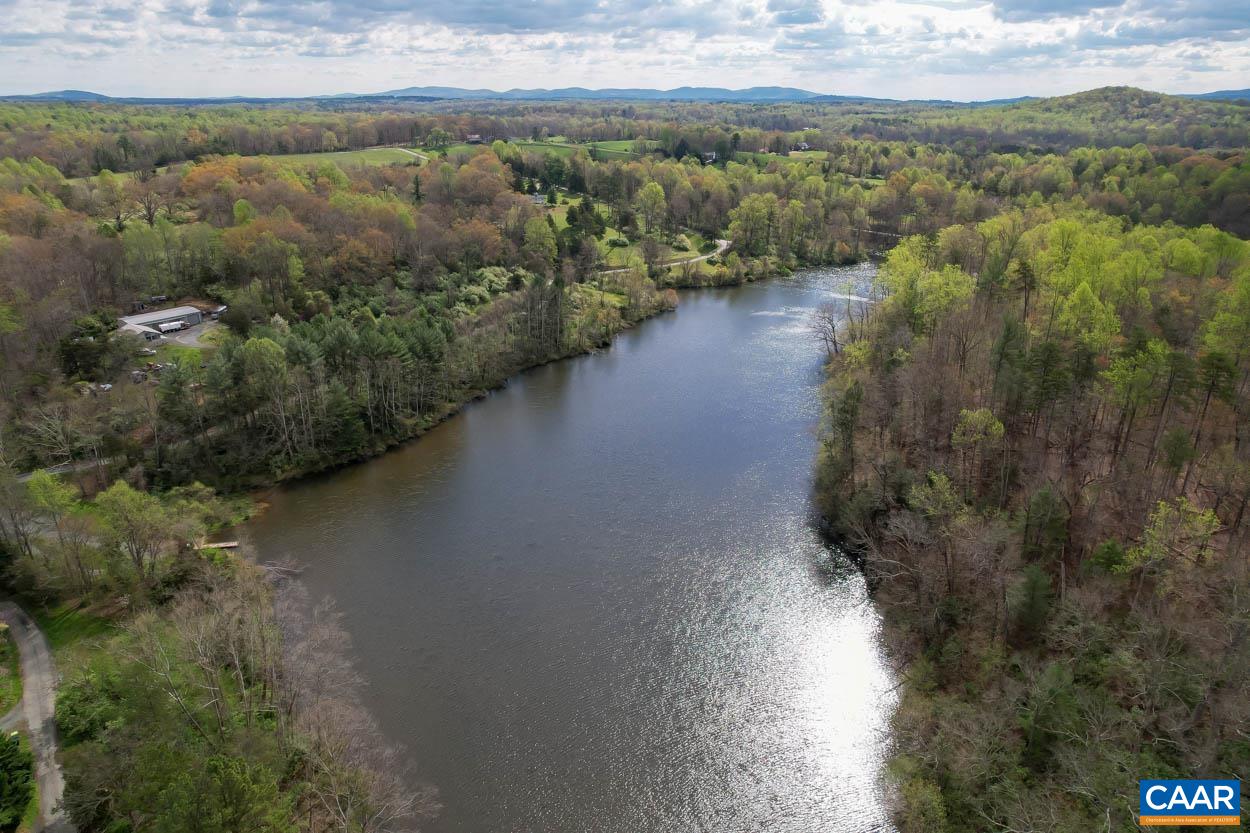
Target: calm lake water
[{"x": 595, "y": 600}]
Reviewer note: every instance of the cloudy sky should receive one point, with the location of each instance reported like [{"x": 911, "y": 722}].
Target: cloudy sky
[{"x": 962, "y": 49}]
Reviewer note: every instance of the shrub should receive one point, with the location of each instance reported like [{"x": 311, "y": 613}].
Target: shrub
[{"x": 16, "y": 781}]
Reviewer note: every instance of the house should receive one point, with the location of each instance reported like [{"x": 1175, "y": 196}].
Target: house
[
  {"x": 538, "y": 198},
  {"x": 709, "y": 157},
  {"x": 188, "y": 316},
  {"x": 802, "y": 146},
  {"x": 473, "y": 139}
]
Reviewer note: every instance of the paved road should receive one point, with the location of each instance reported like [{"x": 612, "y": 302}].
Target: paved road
[
  {"x": 420, "y": 156},
  {"x": 36, "y": 711},
  {"x": 191, "y": 336}
]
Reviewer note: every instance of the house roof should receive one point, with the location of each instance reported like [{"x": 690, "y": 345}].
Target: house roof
[{"x": 159, "y": 315}]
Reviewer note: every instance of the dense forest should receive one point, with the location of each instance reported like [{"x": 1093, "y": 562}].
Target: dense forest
[
  {"x": 1056, "y": 530},
  {"x": 1071, "y": 269}
]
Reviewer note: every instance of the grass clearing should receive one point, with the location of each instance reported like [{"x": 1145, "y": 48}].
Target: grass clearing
[
  {"x": 618, "y": 148},
  {"x": 10, "y": 672},
  {"x": 615, "y": 144},
  {"x": 586, "y": 295},
  {"x": 547, "y": 147},
  {"x": 354, "y": 158},
  {"x": 27, "y": 824},
  {"x": 458, "y": 147},
  {"x": 558, "y": 146},
  {"x": 793, "y": 156},
  {"x": 68, "y": 626},
  {"x": 181, "y": 353}
]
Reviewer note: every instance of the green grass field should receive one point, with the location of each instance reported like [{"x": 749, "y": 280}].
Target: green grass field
[
  {"x": 10, "y": 673},
  {"x": 546, "y": 147},
  {"x": 369, "y": 156},
  {"x": 27, "y": 824},
  {"x": 795, "y": 156},
  {"x": 630, "y": 254},
  {"x": 69, "y": 626},
  {"x": 615, "y": 144},
  {"x": 614, "y": 149}
]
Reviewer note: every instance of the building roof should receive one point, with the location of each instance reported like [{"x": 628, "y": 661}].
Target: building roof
[
  {"x": 159, "y": 315},
  {"x": 138, "y": 329}
]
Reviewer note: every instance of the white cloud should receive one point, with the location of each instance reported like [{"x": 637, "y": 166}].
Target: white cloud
[{"x": 897, "y": 48}]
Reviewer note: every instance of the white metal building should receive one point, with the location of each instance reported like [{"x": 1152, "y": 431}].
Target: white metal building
[{"x": 154, "y": 319}]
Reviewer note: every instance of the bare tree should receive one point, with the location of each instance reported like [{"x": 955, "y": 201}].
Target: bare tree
[{"x": 824, "y": 325}]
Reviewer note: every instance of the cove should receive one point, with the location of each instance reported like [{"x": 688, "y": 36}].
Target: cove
[{"x": 596, "y": 600}]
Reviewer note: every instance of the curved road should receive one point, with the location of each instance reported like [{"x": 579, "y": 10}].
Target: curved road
[{"x": 36, "y": 710}]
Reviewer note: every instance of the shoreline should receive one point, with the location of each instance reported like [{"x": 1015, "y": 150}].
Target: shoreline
[{"x": 452, "y": 409}]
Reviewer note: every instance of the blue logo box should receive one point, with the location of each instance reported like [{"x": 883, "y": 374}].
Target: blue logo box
[{"x": 1190, "y": 801}]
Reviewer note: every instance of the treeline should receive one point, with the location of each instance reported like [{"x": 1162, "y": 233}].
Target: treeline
[
  {"x": 1147, "y": 185},
  {"x": 1037, "y": 441},
  {"x": 83, "y": 139},
  {"x": 364, "y": 303},
  {"x": 225, "y": 711},
  {"x": 1105, "y": 117},
  {"x": 212, "y": 697}
]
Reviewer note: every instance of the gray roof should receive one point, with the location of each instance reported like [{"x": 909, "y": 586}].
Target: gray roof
[
  {"x": 160, "y": 315},
  {"x": 131, "y": 327}
]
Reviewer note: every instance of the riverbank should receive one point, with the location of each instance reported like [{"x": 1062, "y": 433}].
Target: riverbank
[
  {"x": 659, "y": 302},
  {"x": 768, "y": 328},
  {"x": 1063, "y": 594},
  {"x": 738, "y": 273},
  {"x": 646, "y": 581}
]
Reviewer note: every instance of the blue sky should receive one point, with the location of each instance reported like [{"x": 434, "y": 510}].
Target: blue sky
[{"x": 898, "y": 48}]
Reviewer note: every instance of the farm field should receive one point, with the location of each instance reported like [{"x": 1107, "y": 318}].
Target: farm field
[{"x": 559, "y": 146}]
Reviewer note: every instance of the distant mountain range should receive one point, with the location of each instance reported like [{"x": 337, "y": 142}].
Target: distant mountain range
[
  {"x": 1230, "y": 95},
  {"x": 615, "y": 94},
  {"x": 65, "y": 95},
  {"x": 710, "y": 94}
]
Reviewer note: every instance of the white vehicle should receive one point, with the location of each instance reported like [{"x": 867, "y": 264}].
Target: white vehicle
[{"x": 172, "y": 326}]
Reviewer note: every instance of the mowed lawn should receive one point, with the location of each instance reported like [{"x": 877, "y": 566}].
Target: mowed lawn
[
  {"x": 369, "y": 156},
  {"x": 614, "y": 149}
]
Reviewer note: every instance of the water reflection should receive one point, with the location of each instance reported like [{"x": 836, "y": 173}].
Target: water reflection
[{"x": 593, "y": 601}]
